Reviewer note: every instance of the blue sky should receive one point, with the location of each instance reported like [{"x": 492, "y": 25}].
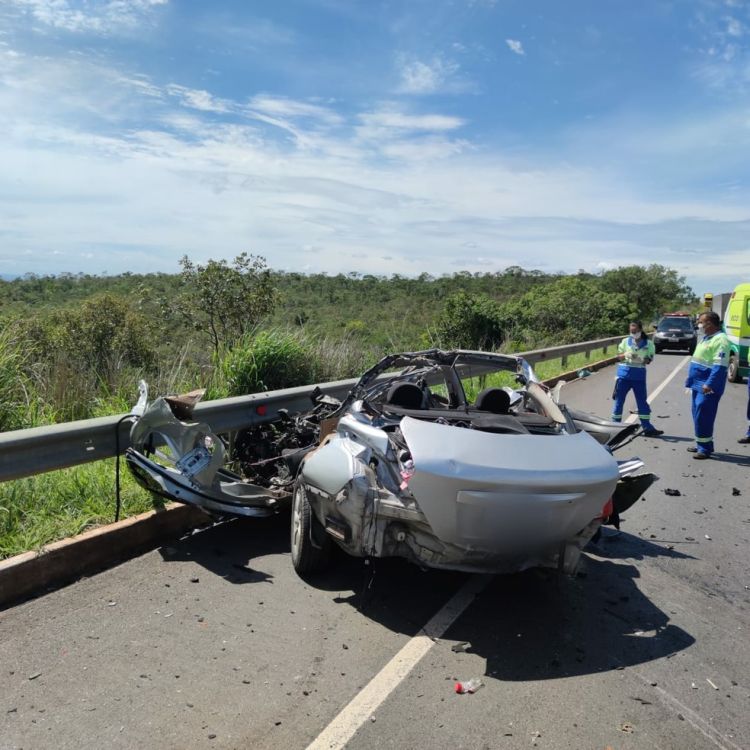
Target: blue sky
[{"x": 378, "y": 137}]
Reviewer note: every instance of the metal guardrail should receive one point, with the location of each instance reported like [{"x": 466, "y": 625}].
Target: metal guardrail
[{"x": 24, "y": 453}]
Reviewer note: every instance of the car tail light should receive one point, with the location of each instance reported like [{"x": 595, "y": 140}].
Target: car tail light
[{"x": 608, "y": 509}]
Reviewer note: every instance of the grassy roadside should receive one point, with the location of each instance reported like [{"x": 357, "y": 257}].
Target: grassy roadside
[{"x": 45, "y": 508}]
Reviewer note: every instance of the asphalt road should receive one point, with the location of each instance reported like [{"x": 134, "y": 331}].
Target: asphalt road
[{"x": 214, "y": 642}]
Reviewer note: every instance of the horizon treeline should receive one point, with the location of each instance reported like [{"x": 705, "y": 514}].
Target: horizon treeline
[{"x": 75, "y": 345}]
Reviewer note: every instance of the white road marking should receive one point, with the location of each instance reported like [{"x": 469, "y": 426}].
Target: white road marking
[
  {"x": 659, "y": 388},
  {"x": 713, "y": 735},
  {"x": 361, "y": 707}
]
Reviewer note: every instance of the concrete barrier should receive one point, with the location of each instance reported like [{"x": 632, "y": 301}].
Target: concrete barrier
[{"x": 56, "y": 564}]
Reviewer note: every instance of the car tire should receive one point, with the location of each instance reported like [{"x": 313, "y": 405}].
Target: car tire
[
  {"x": 307, "y": 557},
  {"x": 733, "y": 373},
  {"x": 691, "y": 348},
  {"x": 657, "y": 349}
]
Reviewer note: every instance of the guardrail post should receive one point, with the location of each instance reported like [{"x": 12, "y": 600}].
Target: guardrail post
[{"x": 564, "y": 361}]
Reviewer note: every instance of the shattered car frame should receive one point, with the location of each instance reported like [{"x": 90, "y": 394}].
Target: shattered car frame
[{"x": 451, "y": 459}]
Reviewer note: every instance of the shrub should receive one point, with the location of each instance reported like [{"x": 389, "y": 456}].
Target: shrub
[
  {"x": 470, "y": 321},
  {"x": 265, "y": 362}
]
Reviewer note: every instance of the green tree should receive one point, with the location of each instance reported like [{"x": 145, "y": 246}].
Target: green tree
[
  {"x": 470, "y": 321},
  {"x": 567, "y": 310},
  {"x": 226, "y": 301},
  {"x": 652, "y": 290},
  {"x": 104, "y": 334}
]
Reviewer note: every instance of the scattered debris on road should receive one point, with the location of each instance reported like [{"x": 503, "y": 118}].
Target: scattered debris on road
[
  {"x": 461, "y": 648},
  {"x": 672, "y": 493},
  {"x": 640, "y": 700},
  {"x": 715, "y": 687},
  {"x": 35, "y": 675},
  {"x": 735, "y": 492},
  {"x": 468, "y": 686},
  {"x": 627, "y": 728}
]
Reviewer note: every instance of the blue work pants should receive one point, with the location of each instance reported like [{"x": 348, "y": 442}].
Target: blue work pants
[
  {"x": 705, "y": 406},
  {"x": 623, "y": 386}
]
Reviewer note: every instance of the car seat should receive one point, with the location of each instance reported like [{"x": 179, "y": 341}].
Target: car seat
[
  {"x": 405, "y": 395},
  {"x": 493, "y": 400}
]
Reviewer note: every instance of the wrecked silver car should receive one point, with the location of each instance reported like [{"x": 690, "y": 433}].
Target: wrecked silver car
[{"x": 452, "y": 459}]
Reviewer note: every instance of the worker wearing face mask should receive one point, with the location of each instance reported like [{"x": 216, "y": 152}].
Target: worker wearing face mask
[
  {"x": 635, "y": 352},
  {"x": 706, "y": 380}
]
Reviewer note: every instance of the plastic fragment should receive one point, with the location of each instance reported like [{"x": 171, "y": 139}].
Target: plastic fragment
[
  {"x": 715, "y": 687},
  {"x": 468, "y": 686},
  {"x": 461, "y": 648},
  {"x": 672, "y": 493}
]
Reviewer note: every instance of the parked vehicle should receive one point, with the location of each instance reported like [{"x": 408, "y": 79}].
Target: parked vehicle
[
  {"x": 719, "y": 303},
  {"x": 451, "y": 459},
  {"x": 737, "y": 327},
  {"x": 675, "y": 331}
]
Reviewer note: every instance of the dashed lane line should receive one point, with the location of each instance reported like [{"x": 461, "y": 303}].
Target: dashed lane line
[
  {"x": 361, "y": 707},
  {"x": 659, "y": 388}
]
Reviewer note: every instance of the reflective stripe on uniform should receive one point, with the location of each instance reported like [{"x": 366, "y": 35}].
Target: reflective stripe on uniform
[{"x": 704, "y": 440}]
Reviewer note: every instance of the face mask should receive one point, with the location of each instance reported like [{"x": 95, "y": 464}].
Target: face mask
[
  {"x": 700, "y": 327},
  {"x": 636, "y": 335}
]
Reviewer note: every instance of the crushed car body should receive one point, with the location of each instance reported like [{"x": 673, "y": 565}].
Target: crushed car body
[{"x": 452, "y": 459}]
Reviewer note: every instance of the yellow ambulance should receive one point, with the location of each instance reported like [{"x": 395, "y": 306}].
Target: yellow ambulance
[{"x": 737, "y": 327}]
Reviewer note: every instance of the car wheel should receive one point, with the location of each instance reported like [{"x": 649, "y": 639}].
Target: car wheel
[
  {"x": 308, "y": 556},
  {"x": 734, "y": 370},
  {"x": 691, "y": 349},
  {"x": 657, "y": 349}
]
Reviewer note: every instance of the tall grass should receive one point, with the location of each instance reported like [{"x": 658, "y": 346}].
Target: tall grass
[
  {"x": 19, "y": 405},
  {"x": 41, "y": 509}
]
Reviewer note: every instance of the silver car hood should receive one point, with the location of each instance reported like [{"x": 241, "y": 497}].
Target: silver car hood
[{"x": 498, "y": 493}]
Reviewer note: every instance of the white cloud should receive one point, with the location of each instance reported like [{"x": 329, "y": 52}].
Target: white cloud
[
  {"x": 198, "y": 99},
  {"x": 419, "y": 77},
  {"x": 734, "y": 27},
  {"x": 79, "y": 17},
  {"x": 402, "y": 121},
  {"x": 289, "y": 108},
  {"x": 515, "y": 46}
]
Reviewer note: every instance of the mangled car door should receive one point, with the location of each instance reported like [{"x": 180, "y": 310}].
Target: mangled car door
[{"x": 183, "y": 460}]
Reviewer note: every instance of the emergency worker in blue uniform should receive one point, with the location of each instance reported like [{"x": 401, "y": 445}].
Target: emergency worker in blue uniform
[
  {"x": 636, "y": 351},
  {"x": 707, "y": 379}
]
